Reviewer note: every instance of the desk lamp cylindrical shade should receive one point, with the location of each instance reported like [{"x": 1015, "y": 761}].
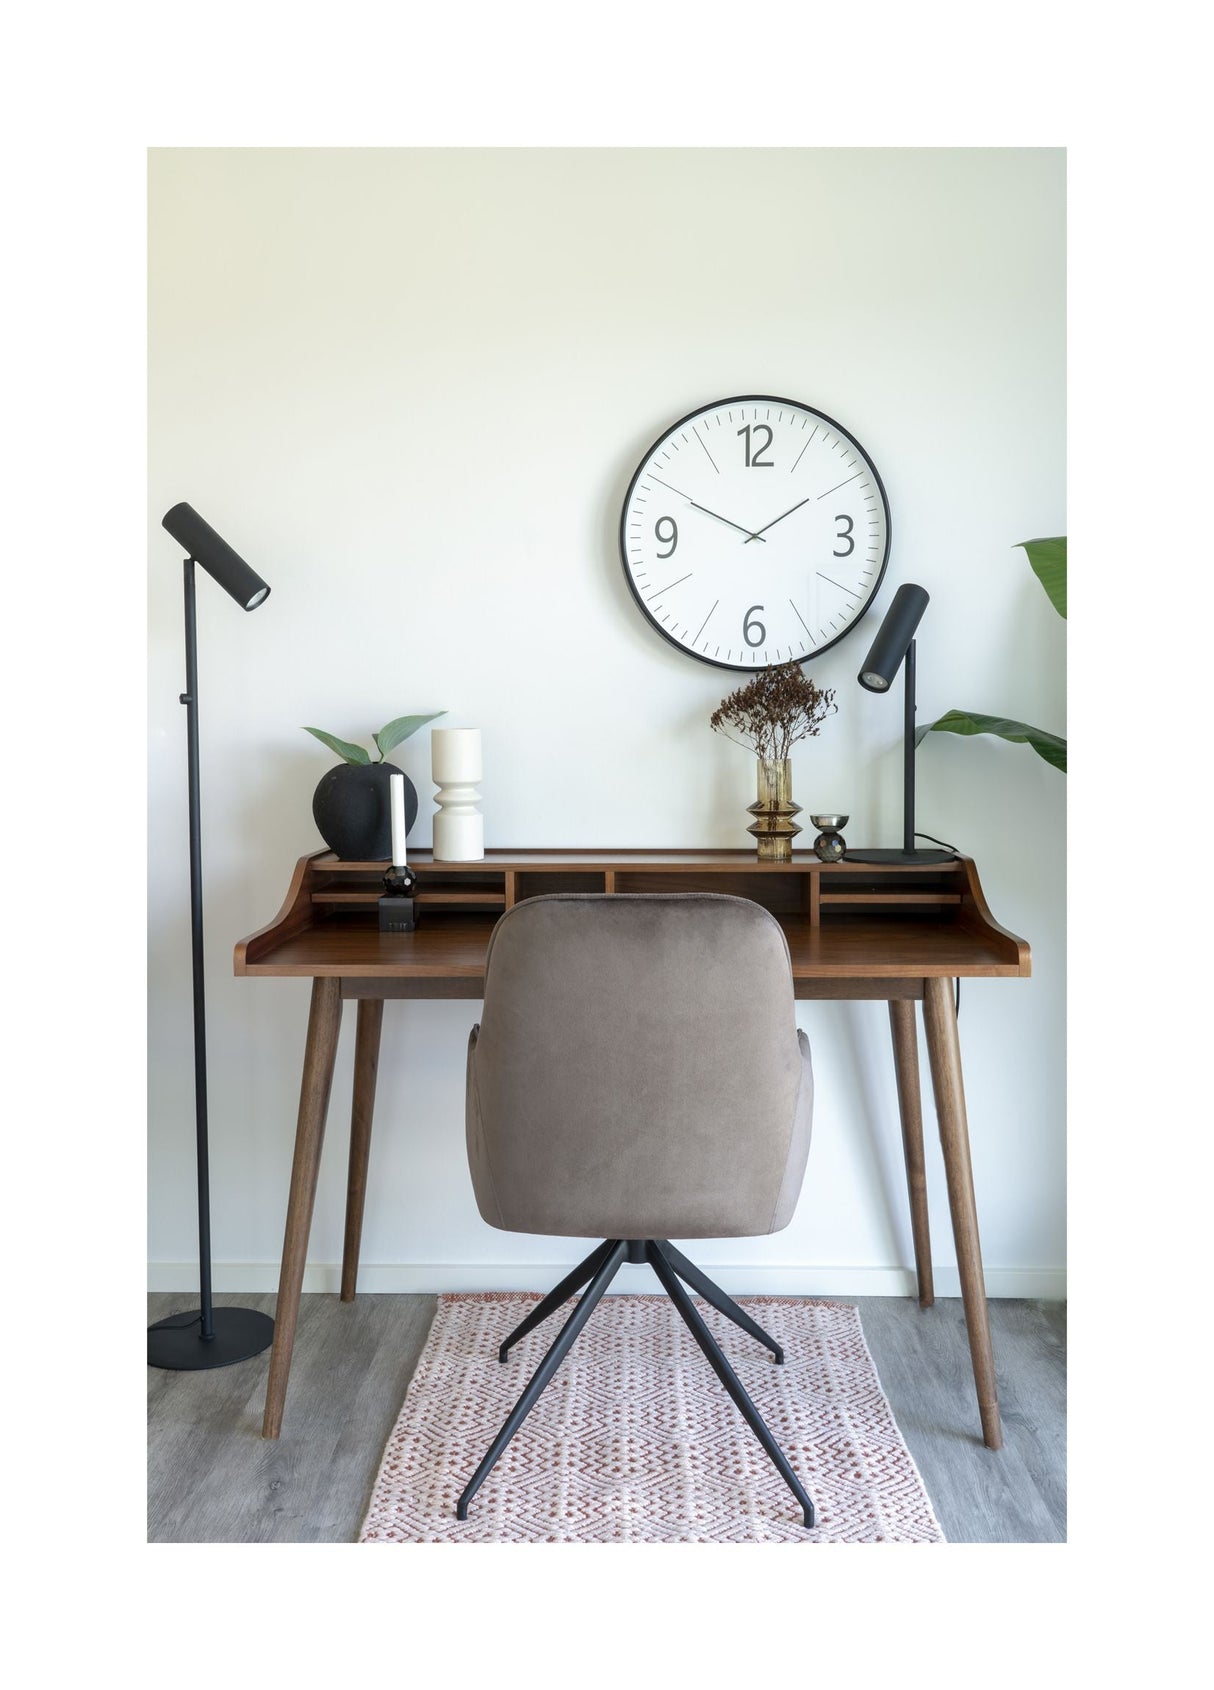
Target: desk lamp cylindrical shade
[
  {"x": 893, "y": 639},
  {"x": 210, "y": 550}
]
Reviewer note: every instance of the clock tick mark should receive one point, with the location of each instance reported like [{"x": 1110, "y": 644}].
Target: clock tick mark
[
  {"x": 704, "y": 625},
  {"x": 835, "y": 489},
  {"x": 707, "y": 453},
  {"x": 804, "y": 448},
  {"x": 833, "y": 582},
  {"x": 673, "y": 584}
]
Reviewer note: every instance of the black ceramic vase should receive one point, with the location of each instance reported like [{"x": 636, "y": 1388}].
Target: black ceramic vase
[{"x": 352, "y": 809}]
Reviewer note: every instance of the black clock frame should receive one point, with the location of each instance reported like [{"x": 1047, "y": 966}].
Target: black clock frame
[{"x": 715, "y": 405}]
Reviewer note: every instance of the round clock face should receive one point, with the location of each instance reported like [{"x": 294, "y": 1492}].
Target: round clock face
[{"x": 755, "y": 531}]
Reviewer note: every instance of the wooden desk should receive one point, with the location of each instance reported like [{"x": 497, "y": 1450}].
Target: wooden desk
[{"x": 898, "y": 934}]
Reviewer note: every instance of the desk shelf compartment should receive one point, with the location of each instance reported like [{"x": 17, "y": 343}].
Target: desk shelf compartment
[
  {"x": 535, "y": 884},
  {"x": 356, "y": 888},
  {"x": 781, "y": 893},
  {"x": 860, "y": 887}
]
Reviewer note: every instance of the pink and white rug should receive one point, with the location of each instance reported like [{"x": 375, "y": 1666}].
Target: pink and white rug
[{"x": 635, "y": 1441}]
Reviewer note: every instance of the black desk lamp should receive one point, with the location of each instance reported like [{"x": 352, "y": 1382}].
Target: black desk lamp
[
  {"x": 209, "y": 1337},
  {"x": 895, "y": 642}
]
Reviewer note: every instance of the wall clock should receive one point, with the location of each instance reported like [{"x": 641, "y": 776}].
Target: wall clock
[{"x": 755, "y": 531}]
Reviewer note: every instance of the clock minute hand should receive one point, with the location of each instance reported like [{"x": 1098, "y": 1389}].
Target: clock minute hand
[
  {"x": 706, "y": 510},
  {"x": 758, "y": 534},
  {"x": 720, "y": 518}
]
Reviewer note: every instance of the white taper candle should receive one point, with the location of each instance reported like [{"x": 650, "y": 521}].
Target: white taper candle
[{"x": 397, "y": 784}]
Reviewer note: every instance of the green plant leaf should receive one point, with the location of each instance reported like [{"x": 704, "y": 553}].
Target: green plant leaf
[
  {"x": 392, "y": 735},
  {"x": 1046, "y": 745},
  {"x": 1048, "y": 558},
  {"x": 343, "y": 748}
]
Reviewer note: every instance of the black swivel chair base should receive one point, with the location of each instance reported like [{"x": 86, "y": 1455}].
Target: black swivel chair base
[{"x": 596, "y": 1273}]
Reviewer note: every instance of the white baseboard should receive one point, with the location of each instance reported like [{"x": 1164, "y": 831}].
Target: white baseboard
[{"x": 740, "y": 1280}]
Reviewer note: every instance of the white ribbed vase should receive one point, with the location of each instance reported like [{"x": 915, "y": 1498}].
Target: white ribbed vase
[{"x": 455, "y": 765}]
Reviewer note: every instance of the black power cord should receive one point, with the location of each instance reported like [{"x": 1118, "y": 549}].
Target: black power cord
[{"x": 935, "y": 841}]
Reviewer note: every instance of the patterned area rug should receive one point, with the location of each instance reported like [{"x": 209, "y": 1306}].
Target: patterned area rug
[{"x": 635, "y": 1441}]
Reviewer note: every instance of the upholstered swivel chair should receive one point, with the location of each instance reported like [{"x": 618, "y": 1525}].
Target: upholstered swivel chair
[{"x": 637, "y": 1076}]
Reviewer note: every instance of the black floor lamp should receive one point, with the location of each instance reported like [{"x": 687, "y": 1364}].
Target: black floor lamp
[
  {"x": 208, "y": 1337},
  {"x": 895, "y": 642}
]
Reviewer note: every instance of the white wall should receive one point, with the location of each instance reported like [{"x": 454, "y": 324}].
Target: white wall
[{"x": 410, "y": 386}]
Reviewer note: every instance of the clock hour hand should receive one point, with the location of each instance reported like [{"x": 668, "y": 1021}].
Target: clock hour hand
[
  {"x": 707, "y": 512},
  {"x": 761, "y": 531}
]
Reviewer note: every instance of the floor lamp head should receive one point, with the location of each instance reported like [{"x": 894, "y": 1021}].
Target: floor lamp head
[{"x": 214, "y": 554}]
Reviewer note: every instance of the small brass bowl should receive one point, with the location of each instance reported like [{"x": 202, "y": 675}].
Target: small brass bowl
[{"x": 831, "y": 823}]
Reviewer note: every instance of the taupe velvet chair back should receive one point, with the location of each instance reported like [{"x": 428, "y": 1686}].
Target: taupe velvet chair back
[{"x": 637, "y": 1072}]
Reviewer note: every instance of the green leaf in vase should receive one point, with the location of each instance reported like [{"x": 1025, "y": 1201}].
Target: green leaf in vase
[
  {"x": 392, "y": 735},
  {"x": 343, "y": 748}
]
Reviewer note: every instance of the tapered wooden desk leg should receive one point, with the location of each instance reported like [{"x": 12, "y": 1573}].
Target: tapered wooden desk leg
[
  {"x": 324, "y": 1024},
  {"x": 944, "y": 1053},
  {"x": 366, "y": 1067},
  {"x": 910, "y": 1108}
]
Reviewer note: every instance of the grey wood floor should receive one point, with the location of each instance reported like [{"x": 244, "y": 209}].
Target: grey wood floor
[{"x": 213, "y": 1479}]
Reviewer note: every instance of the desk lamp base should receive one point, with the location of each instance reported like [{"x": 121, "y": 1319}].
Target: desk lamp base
[
  {"x": 892, "y": 855},
  {"x": 177, "y": 1342}
]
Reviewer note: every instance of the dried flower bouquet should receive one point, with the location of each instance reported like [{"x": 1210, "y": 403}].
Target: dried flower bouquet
[{"x": 775, "y": 710}]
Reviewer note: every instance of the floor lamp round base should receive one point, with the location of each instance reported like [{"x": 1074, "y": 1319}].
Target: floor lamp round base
[{"x": 177, "y": 1342}]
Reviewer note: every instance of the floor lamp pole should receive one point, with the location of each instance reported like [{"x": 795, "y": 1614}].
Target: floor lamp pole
[
  {"x": 190, "y": 699},
  {"x": 212, "y": 1337}
]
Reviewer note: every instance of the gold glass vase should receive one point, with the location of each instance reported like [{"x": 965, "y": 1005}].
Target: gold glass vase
[{"x": 773, "y": 810}]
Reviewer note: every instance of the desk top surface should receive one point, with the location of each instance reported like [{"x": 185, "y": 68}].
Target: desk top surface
[{"x": 844, "y": 921}]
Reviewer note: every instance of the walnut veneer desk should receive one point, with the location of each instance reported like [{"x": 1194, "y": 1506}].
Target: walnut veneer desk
[{"x": 892, "y": 933}]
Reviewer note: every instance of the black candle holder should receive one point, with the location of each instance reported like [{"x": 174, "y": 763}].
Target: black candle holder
[{"x": 398, "y": 912}]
